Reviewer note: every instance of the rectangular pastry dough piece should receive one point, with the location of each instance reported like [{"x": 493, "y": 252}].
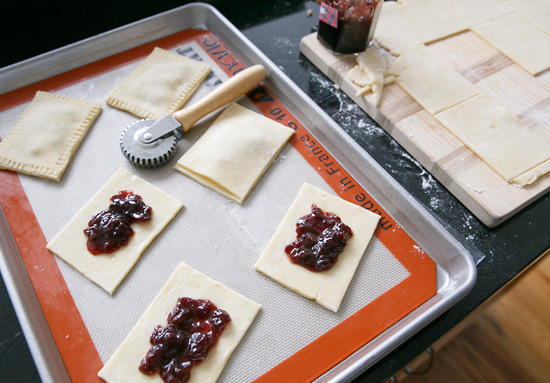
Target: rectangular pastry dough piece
[
  {"x": 234, "y": 152},
  {"x": 431, "y": 80},
  {"x": 122, "y": 367},
  {"x": 47, "y": 134},
  {"x": 391, "y": 31},
  {"x": 496, "y": 136},
  {"x": 327, "y": 287},
  {"x": 160, "y": 85},
  {"x": 536, "y": 11},
  {"x": 108, "y": 270},
  {"x": 403, "y": 25},
  {"x": 523, "y": 42}
]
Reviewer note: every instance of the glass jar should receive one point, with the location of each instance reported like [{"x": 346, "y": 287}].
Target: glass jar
[{"x": 347, "y": 26}]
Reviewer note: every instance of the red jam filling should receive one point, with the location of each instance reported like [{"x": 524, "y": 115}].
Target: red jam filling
[
  {"x": 320, "y": 239},
  {"x": 110, "y": 229},
  {"x": 194, "y": 326}
]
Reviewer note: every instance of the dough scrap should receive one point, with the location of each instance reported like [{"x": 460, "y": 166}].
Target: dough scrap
[
  {"x": 160, "y": 85},
  {"x": 234, "y": 152},
  {"x": 327, "y": 288},
  {"x": 108, "y": 270},
  {"x": 47, "y": 134},
  {"x": 369, "y": 73},
  {"x": 122, "y": 367},
  {"x": 431, "y": 80},
  {"x": 496, "y": 136},
  {"x": 524, "y": 43}
]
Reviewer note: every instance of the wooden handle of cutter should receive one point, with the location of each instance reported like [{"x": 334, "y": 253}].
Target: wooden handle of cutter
[{"x": 238, "y": 85}]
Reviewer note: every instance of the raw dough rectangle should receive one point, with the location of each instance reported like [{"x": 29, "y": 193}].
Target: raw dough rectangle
[
  {"x": 160, "y": 85},
  {"x": 523, "y": 42},
  {"x": 108, "y": 270},
  {"x": 496, "y": 136},
  {"x": 122, "y": 367},
  {"x": 431, "y": 80},
  {"x": 327, "y": 287},
  {"x": 47, "y": 135},
  {"x": 405, "y": 24},
  {"x": 234, "y": 152}
]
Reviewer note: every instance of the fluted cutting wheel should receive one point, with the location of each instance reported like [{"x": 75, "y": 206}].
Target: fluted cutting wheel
[{"x": 144, "y": 155}]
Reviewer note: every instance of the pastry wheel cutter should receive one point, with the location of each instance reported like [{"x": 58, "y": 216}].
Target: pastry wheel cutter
[{"x": 149, "y": 144}]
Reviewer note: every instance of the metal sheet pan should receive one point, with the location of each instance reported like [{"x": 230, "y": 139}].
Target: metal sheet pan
[{"x": 456, "y": 269}]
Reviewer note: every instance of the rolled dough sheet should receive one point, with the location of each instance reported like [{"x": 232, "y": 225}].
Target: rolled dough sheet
[
  {"x": 108, "y": 270},
  {"x": 431, "y": 80},
  {"x": 46, "y": 135},
  {"x": 122, "y": 367},
  {"x": 234, "y": 152},
  {"x": 405, "y": 24},
  {"x": 328, "y": 287},
  {"x": 520, "y": 40},
  {"x": 160, "y": 85},
  {"x": 391, "y": 31},
  {"x": 496, "y": 136},
  {"x": 536, "y": 11}
]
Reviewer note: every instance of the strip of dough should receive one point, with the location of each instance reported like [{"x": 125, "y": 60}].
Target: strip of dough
[
  {"x": 496, "y": 136},
  {"x": 234, "y": 152},
  {"x": 122, "y": 367},
  {"x": 160, "y": 85},
  {"x": 328, "y": 287},
  {"x": 47, "y": 135},
  {"x": 108, "y": 270}
]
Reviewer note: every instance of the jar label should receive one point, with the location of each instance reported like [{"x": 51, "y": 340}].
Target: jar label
[{"x": 329, "y": 15}]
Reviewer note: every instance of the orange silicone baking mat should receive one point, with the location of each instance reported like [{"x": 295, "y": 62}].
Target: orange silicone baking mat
[{"x": 82, "y": 342}]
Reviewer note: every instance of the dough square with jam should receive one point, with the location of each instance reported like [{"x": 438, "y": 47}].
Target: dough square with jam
[
  {"x": 328, "y": 287},
  {"x": 108, "y": 270},
  {"x": 160, "y": 85},
  {"x": 47, "y": 134},
  {"x": 235, "y": 151},
  {"x": 123, "y": 366}
]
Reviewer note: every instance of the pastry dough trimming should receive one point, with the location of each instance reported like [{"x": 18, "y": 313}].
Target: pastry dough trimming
[
  {"x": 234, "y": 152},
  {"x": 160, "y": 85},
  {"x": 328, "y": 287},
  {"x": 122, "y": 367},
  {"x": 47, "y": 134},
  {"x": 108, "y": 270}
]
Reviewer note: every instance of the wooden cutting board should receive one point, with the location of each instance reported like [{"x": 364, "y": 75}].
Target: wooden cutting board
[{"x": 488, "y": 196}]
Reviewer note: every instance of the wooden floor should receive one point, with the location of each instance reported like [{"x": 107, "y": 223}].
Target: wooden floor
[{"x": 506, "y": 341}]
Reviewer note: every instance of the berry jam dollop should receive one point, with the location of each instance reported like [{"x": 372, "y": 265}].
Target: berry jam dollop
[
  {"x": 320, "y": 238},
  {"x": 110, "y": 229},
  {"x": 194, "y": 326}
]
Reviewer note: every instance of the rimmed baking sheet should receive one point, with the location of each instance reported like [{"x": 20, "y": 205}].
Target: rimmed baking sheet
[{"x": 320, "y": 153}]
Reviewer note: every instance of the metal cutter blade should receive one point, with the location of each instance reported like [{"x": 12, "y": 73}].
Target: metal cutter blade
[{"x": 150, "y": 144}]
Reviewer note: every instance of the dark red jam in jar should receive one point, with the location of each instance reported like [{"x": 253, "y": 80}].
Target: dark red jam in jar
[
  {"x": 320, "y": 238},
  {"x": 194, "y": 326},
  {"x": 347, "y": 26},
  {"x": 110, "y": 229}
]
